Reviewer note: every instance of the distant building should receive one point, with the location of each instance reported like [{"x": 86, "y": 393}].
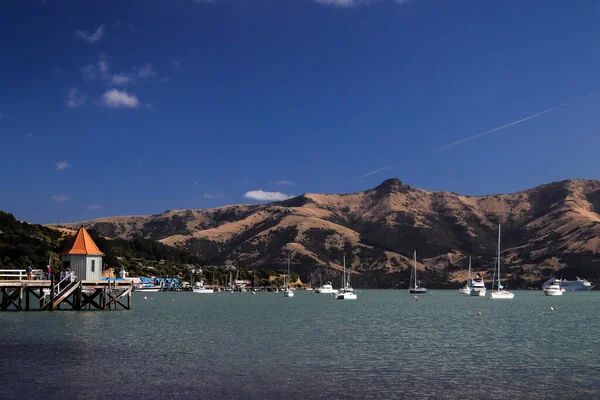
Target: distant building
[
  {"x": 83, "y": 257},
  {"x": 241, "y": 283}
]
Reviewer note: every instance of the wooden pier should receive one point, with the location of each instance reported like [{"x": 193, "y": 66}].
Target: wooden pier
[{"x": 45, "y": 295}]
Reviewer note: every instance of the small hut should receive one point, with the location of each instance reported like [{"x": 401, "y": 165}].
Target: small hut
[{"x": 83, "y": 257}]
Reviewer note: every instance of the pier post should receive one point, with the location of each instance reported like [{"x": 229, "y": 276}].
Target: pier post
[
  {"x": 51, "y": 292},
  {"x": 27, "y": 299}
]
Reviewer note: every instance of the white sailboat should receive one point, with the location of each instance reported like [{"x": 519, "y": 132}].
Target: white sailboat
[
  {"x": 416, "y": 289},
  {"x": 347, "y": 292},
  {"x": 288, "y": 292},
  {"x": 500, "y": 293},
  {"x": 467, "y": 288}
]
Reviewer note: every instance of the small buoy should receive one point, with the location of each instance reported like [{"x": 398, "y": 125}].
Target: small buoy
[
  {"x": 145, "y": 297},
  {"x": 173, "y": 300},
  {"x": 364, "y": 304},
  {"x": 552, "y": 308},
  {"x": 556, "y": 308},
  {"x": 479, "y": 313},
  {"x": 416, "y": 297}
]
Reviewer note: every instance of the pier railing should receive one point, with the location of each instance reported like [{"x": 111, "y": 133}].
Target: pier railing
[{"x": 17, "y": 274}]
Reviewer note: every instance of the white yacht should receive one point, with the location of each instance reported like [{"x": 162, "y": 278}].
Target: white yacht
[
  {"x": 553, "y": 290},
  {"x": 578, "y": 284},
  {"x": 500, "y": 293},
  {"x": 467, "y": 288},
  {"x": 478, "y": 287},
  {"x": 326, "y": 289},
  {"x": 347, "y": 292},
  {"x": 201, "y": 289}
]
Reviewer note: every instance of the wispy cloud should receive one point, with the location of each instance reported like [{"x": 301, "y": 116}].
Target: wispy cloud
[
  {"x": 177, "y": 65},
  {"x": 94, "y": 207},
  {"x": 284, "y": 182},
  {"x": 62, "y": 165},
  {"x": 119, "y": 99},
  {"x": 102, "y": 70},
  {"x": 375, "y": 171},
  {"x": 146, "y": 71},
  {"x": 266, "y": 196},
  {"x": 90, "y": 37},
  {"x": 75, "y": 98},
  {"x": 30, "y": 136},
  {"x": 448, "y": 146},
  {"x": 120, "y": 79},
  {"x": 60, "y": 198},
  {"x": 213, "y": 196}
]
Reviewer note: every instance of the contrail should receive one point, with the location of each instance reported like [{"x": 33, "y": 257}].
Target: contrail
[
  {"x": 376, "y": 171},
  {"x": 513, "y": 123}
]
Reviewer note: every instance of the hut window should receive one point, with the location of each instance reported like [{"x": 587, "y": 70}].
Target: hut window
[
  {"x": 66, "y": 264},
  {"x": 93, "y": 265}
]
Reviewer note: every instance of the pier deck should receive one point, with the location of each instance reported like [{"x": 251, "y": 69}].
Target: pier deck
[{"x": 19, "y": 295}]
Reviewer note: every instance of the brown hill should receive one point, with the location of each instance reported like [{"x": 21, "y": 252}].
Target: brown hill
[{"x": 550, "y": 226}]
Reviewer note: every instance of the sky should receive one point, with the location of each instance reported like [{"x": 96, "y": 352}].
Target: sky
[{"x": 136, "y": 107}]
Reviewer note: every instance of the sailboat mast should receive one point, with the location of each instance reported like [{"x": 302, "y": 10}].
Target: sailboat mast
[
  {"x": 469, "y": 276},
  {"x": 498, "y": 258},
  {"x": 415, "y": 266},
  {"x": 344, "y": 284}
]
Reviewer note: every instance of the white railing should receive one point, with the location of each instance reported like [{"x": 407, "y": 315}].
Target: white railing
[
  {"x": 70, "y": 277},
  {"x": 17, "y": 274}
]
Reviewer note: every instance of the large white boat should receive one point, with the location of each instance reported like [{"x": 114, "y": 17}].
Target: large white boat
[
  {"x": 553, "y": 290},
  {"x": 347, "y": 292},
  {"x": 578, "y": 284},
  {"x": 326, "y": 289},
  {"x": 500, "y": 293},
  {"x": 416, "y": 289},
  {"x": 147, "y": 288},
  {"x": 467, "y": 288},
  {"x": 478, "y": 287}
]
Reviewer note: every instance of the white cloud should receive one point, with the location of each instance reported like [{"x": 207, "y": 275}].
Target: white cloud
[
  {"x": 285, "y": 182},
  {"x": 119, "y": 99},
  {"x": 177, "y": 65},
  {"x": 90, "y": 37},
  {"x": 213, "y": 196},
  {"x": 120, "y": 79},
  {"x": 375, "y": 171},
  {"x": 266, "y": 196},
  {"x": 60, "y": 198},
  {"x": 75, "y": 98},
  {"x": 94, "y": 207},
  {"x": 30, "y": 136},
  {"x": 62, "y": 165},
  {"x": 147, "y": 71}
]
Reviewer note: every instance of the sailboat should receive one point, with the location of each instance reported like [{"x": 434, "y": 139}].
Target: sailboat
[
  {"x": 416, "y": 289},
  {"x": 500, "y": 293},
  {"x": 347, "y": 292},
  {"x": 288, "y": 292},
  {"x": 467, "y": 288}
]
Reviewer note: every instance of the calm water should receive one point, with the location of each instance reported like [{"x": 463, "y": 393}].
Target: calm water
[{"x": 385, "y": 345}]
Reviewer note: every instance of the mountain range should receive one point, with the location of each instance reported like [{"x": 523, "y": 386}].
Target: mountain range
[{"x": 546, "y": 229}]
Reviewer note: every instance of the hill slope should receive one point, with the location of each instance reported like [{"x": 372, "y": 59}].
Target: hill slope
[{"x": 548, "y": 227}]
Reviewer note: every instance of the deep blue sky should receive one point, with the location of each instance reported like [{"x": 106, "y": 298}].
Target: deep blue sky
[{"x": 159, "y": 104}]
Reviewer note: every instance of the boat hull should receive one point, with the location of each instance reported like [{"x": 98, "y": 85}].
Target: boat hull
[
  {"x": 553, "y": 292},
  {"x": 204, "y": 291},
  {"x": 147, "y": 289},
  {"x": 478, "y": 292},
  {"x": 502, "y": 295},
  {"x": 288, "y": 293},
  {"x": 346, "y": 296},
  {"x": 577, "y": 285},
  {"x": 417, "y": 291},
  {"x": 464, "y": 290}
]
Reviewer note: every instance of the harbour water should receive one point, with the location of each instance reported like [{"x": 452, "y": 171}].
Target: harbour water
[{"x": 242, "y": 346}]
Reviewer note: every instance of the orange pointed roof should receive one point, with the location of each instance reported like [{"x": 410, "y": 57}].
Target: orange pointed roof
[{"x": 83, "y": 245}]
